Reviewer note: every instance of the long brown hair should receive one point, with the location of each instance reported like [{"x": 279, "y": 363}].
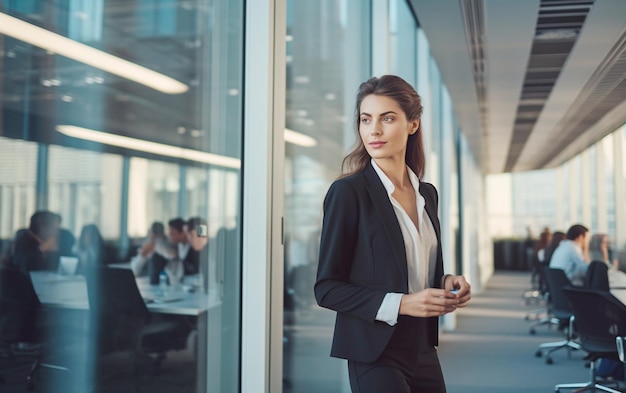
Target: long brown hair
[{"x": 405, "y": 95}]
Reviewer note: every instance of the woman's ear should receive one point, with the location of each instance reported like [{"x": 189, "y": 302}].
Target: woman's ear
[{"x": 415, "y": 125}]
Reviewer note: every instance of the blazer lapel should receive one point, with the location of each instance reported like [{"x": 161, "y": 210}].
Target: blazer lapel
[
  {"x": 431, "y": 210},
  {"x": 385, "y": 211}
]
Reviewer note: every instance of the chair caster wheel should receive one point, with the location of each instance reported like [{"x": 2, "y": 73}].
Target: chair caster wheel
[
  {"x": 532, "y": 331},
  {"x": 538, "y": 354},
  {"x": 549, "y": 361}
]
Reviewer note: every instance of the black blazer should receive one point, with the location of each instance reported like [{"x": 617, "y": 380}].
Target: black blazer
[{"x": 362, "y": 258}]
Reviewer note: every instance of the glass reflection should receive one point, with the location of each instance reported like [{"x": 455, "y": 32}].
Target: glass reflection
[
  {"x": 328, "y": 54},
  {"x": 146, "y": 154}
]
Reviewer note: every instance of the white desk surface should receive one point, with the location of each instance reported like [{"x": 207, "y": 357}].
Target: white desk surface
[
  {"x": 71, "y": 292},
  {"x": 617, "y": 283}
]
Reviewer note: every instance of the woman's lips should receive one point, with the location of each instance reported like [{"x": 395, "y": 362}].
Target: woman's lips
[{"x": 377, "y": 144}]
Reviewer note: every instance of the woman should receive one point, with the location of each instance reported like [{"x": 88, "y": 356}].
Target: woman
[
  {"x": 557, "y": 237},
  {"x": 380, "y": 264},
  {"x": 599, "y": 250},
  {"x": 90, "y": 248}
]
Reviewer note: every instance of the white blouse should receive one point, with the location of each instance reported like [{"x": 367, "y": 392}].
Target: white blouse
[{"x": 420, "y": 245}]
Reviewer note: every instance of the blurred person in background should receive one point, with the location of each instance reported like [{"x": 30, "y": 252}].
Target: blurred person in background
[
  {"x": 90, "y": 248},
  {"x": 155, "y": 254},
  {"x": 36, "y": 248},
  {"x": 556, "y": 239},
  {"x": 572, "y": 254},
  {"x": 599, "y": 247}
]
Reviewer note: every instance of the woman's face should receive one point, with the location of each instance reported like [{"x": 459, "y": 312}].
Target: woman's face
[{"x": 384, "y": 128}]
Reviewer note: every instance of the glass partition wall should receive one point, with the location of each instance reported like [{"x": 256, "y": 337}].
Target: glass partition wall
[
  {"x": 115, "y": 115},
  {"x": 328, "y": 54}
]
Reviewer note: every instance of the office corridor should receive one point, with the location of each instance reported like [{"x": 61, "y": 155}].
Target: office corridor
[{"x": 492, "y": 352}]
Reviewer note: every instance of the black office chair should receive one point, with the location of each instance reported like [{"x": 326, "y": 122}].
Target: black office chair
[
  {"x": 548, "y": 319},
  {"x": 597, "y": 276},
  {"x": 562, "y": 311},
  {"x": 20, "y": 333},
  {"x": 600, "y": 319},
  {"x": 121, "y": 322}
]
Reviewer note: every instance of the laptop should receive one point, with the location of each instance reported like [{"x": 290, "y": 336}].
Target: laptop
[{"x": 67, "y": 266}]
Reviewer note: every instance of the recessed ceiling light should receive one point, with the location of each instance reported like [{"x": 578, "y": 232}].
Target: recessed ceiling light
[
  {"x": 75, "y": 50},
  {"x": 297, "y": 138},
  {"x": 126, "y": 142},
  {"x": 557, "y": 34}
]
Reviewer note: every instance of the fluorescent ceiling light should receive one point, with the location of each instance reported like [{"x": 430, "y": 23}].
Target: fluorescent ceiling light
[
  {"x": 147, "y": 146},
  {"x": 74, "y": 50},
  {"x": 297, "y": 138}
]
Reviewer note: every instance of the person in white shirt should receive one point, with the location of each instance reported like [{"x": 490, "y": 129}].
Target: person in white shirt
[
  {"x": 572, "y": 254},
  {"x": 157, "y": 249}
]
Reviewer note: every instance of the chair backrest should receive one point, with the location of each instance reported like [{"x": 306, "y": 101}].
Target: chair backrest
[
  {"x": 597, "y": 276},
  {"x": 557, "y": 280},
  {"x": 117, "y": 310},
  {"x": 599, "y": 315},
  {"x": 19, "y": 307}
]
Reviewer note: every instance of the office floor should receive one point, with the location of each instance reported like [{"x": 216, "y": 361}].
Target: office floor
[{"x": 491, "y": 350}]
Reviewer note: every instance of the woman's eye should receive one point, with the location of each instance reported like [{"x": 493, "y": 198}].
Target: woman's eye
[
  {"x": 388, "y": 119},
  {"x": 365, "y": 120}
]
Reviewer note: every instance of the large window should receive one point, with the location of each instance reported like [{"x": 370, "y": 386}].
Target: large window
[
  {"x": 114, "y": 115},
  {"x": 154, "y": 187},
  {"x": 84, "y": 188},
  {"x": 18, "y": 171}
]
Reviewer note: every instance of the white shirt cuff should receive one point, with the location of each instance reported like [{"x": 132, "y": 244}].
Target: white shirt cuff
[{"x": 389, "y": 309}]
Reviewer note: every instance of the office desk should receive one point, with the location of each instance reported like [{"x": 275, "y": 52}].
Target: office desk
[
  {"x": 71, "y": 292},
  {"x": 617, "y": 284}
]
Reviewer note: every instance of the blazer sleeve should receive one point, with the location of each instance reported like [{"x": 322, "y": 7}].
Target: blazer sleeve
[{"x": 339, "y": 239}]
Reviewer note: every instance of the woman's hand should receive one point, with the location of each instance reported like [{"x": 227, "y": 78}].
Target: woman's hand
[
  {"x": 458, "y": 283},
  {"x": 430, "y": 302},
  {"x": 434, "y": 302}
]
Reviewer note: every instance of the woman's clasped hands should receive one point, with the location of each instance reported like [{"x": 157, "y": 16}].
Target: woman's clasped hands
[{"x": 434, "y": 302}]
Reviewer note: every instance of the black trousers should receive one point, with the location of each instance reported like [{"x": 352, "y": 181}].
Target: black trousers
[{"x": 408, "y": 364}]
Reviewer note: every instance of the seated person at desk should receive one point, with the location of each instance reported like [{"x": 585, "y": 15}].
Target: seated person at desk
[
  {"x": 161, "y": 253},
  {"x": 571, "y": 254},
  {"x": 599, "y": 250},
  {"x": 194, "y": 243},
  {"x": 36, "y": 248},
  {"x": 90, "y": 248},
  {"x": 189, "y": 245}
]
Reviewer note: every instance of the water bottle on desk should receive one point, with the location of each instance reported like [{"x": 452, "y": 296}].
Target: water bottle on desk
[{"x": 162, "y": 283}]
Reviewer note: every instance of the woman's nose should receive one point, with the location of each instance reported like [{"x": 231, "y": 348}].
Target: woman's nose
[{"x": 375, "y": 130}]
